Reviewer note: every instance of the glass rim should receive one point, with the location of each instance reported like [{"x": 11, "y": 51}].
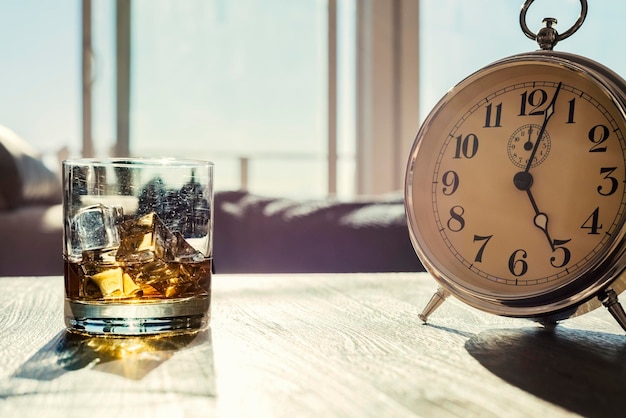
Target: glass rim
[{"x": 137, "y": 161}]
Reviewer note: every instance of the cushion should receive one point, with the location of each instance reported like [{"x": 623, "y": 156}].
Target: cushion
[
  {"x": 24, "y": 178},
  {"x": 32, "y": 242}
]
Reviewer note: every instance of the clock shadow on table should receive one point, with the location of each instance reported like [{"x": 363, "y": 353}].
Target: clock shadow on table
[{"x": 582, "y": 371}]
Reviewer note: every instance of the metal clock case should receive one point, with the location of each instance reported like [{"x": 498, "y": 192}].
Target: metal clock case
[{"x": 515, "y": 188}]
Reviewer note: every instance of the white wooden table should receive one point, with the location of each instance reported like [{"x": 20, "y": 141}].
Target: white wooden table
[{"x": 344, "y": 345}]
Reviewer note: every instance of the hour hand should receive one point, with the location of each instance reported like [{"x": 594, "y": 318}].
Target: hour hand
[
  {"x": 523, "y": 181},
  {"x": 541, "y": 222}
]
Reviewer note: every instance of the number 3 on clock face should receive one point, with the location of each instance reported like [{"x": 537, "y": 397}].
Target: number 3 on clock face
[{"x": 515, "y": 186}]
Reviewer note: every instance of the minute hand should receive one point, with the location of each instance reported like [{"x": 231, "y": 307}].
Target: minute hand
[{"x": 548, "y": 113}]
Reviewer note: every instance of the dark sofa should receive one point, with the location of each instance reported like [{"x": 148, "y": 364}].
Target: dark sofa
[{"x": 275, "y": 235}]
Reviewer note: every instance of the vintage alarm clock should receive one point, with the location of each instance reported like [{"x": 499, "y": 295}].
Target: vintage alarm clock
[{"x": 515, "y": 189}]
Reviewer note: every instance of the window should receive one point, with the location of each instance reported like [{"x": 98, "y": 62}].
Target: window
[
  {"x": 246, "y": 83},
  {"x": 40, "y": 73},
  {"x": 242, "y": 83},
  {"x": 257, "y": 88},
  {"x": 235, "y": 82}
]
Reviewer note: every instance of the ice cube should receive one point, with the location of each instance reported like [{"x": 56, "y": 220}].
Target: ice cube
[
  {"x": 170, "y": 287},
  {"x": 153, "y": 255},
  {"x": 144, "y": 239},
  {"x": 175, "y": 287},
  {"x": 183, "y": 252},
  {"x": 115, "y": 284},
  {"x": 98, "y": 257},
  {"x": 130, "y": 287},
  {"x": 161, "y": 276},
  {"x": 95, "y": 227}
]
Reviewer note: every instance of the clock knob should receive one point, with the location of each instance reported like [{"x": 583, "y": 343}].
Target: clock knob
[{"x": 547, "y": 37}]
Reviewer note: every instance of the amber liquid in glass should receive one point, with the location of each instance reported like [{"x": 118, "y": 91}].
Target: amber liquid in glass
[
  {"x": 151, "y": 281},
  {"x": 142, "y": 298},
  {"x": 136, "y": 282}
]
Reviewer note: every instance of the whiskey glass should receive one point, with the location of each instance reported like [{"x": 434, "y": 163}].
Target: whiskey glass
[{"x": 137, "y": 245}]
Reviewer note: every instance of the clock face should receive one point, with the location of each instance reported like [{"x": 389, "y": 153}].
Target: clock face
[{"x": 516, "y": 182}]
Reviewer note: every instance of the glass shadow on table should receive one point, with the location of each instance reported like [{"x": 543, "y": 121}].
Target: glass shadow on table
[
  {"x": 582, "y": 371},
  {"x": 72, "y": 362},
  {"x": 129, "y": 357}
]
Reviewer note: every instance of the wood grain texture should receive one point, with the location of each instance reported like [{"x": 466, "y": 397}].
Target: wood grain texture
[
  {"x": 48, "y": 372},
  {"x": 337, "y": 345}
]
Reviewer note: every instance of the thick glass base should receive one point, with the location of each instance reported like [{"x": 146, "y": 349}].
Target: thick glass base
[{"x": 151, "y": 317}]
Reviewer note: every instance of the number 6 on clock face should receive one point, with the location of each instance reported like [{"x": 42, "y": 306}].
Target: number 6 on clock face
[{"x": 515, "y": 189}]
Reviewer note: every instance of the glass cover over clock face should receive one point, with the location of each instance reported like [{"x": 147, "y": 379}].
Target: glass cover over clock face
[{"x": 516, "y": 183}]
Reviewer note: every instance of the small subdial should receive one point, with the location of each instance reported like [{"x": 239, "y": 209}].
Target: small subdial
[{"x": 522, "y": 142}]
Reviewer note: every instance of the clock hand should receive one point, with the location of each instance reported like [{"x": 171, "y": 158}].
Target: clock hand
[
  {"x": 528, "y": 145},
  {"x": 540, "y": 220},
  {"x": 523, "y": 181},
  {"x": 547, "y": 115}
]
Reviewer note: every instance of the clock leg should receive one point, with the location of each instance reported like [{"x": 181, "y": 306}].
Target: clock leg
[
  {"x": 548, "y": 324},
  {"x": 609, "y": 299},
  {"x": 435, "y": 301}
]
